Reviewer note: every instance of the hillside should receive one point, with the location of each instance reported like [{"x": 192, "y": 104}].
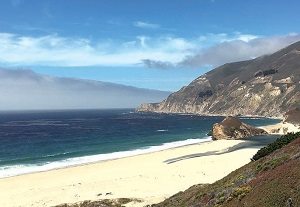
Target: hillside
[
  {"x": 271, "y": 181},
  {"x": 265, "y": 86},
  {"x": 293, "y": 116}
]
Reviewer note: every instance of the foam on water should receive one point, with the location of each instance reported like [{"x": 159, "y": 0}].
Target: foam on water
[
  {"x": 14, "y": 170},
  {"x": 162, "y": 130}
]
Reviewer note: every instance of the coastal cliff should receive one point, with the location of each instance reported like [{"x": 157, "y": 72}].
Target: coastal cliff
[{"x": 265, "y": 86}]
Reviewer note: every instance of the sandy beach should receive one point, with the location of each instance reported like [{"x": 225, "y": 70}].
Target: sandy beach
[
  {"x": 149, "y": 177},
  {"x": 281, "y": 128}
]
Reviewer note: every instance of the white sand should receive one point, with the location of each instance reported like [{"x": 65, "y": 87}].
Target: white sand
[
  {"x": 146, "y": 177},
  {"x": 281, "y": 128}
]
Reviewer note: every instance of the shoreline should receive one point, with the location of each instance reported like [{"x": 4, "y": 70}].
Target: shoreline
[
  {"x": 27, "y": 168},
  {"x": 149, "y": 177},
  {"x": 131, "y": 153},
  {"x": 146, "y": 177},
  {"x": 199, "y": 141},
  {"x": 213, "y": 115}
]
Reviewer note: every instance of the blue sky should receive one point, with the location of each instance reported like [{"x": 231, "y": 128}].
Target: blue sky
[{"x": 152, "y": 44}]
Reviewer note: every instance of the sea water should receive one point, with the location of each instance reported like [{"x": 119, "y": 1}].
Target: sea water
[{"x": 32, "y": 141}]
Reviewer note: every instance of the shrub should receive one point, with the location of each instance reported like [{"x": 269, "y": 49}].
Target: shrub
[
  {"x": 241, "y": 192},
  {"x": 269, "y": 72},
  {"x": 279, "y": 143},
  {"x": 271, "y": 164},
  {"x": 205, "y": 94}
]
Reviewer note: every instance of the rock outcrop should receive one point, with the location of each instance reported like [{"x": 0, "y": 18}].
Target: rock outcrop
[
  {"x": 233, "y": 128},
  {"x": 265, "y": 86}
]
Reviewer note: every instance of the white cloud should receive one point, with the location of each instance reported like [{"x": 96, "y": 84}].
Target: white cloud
[
  {"x": 246, "y": 37},
  {"x": 146, "y": 25},
  {"x": 53, "y": 50},
  {"x": 159, "y": 52},
  {"x": 212, "y": 39}
]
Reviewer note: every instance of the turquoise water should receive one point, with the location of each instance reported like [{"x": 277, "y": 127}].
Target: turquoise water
[{"x": 43, "y": 140}]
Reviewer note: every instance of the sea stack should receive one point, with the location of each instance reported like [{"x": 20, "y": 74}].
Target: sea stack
[{"x": 233, "y": 128}]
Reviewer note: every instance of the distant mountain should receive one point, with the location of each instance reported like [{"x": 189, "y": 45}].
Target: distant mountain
[
  {"x": 265, "y": 86},
  {"x": 25, "y": 89}
]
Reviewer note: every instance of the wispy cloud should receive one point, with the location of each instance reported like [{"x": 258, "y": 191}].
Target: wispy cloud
[
  {"x": 159, "y": 52},
  {"x": 158, "y": 64},
  {"x": 54, "y": 50},
  {"x": 146, "y": 25}
]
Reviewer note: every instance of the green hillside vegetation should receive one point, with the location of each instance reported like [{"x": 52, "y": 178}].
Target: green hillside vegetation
[{"x": 280, "y": 142}]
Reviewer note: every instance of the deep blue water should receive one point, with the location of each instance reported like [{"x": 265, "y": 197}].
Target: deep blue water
[{"x": 42, "y": 140}]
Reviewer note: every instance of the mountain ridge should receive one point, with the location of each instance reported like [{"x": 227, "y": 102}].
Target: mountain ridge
[{"x": 265, "y": 86}]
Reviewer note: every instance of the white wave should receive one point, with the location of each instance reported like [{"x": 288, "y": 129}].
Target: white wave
[
  {"x": 251, "y": 118},
  {"x": 14, "y": 170},
  {"x": 162, "y": 130}
]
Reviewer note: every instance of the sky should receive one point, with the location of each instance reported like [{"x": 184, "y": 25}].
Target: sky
[{"x": 156, "y": 44}]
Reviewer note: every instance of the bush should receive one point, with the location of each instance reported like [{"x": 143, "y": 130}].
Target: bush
[
  {"x": 269, "y": 72},
  {"x": 271, "y": 164},
  {"x": 279, "y": 143},
  {"x": 241, "y": 192}
]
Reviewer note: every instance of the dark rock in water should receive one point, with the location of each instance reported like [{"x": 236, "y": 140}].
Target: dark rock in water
[
  {"x": 233, "y": 128},
  {"x": 293, "y": 116},
  {"x": 209, "y": 133}
]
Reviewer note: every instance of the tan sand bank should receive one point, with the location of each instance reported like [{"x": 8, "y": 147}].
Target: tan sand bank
[
  {"x": 281, "y": 128},
  {"x": 147, "y": 177}
]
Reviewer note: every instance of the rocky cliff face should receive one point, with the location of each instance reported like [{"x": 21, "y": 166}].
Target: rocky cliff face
[
  {"x": 265, "y": 86},
  {"x": 233, "y": 128}
]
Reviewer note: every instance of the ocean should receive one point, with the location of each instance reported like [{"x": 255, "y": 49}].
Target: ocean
[{"x": 33, "y": 141}]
